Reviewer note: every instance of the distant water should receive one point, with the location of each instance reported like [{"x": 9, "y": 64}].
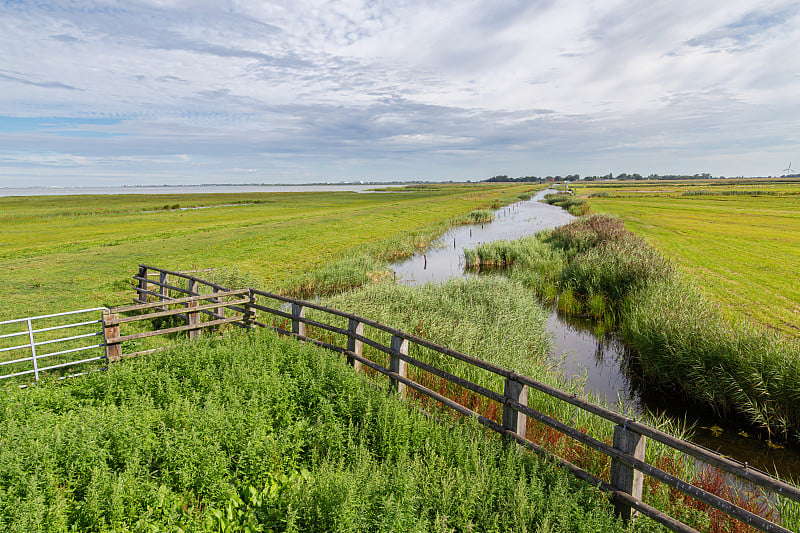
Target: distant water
[{"x": 189, "y": 189}]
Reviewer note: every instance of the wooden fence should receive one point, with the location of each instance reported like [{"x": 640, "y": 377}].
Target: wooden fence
[{"x": 627, "y": 451}]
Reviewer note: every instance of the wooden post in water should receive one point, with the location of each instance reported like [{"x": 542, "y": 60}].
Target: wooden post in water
[
  {"x": 354, "y": 345},
  {"x": 398, "y": 365},
  {"x": 513, "y": 420},
  {"x": 113, "y": 349},
  {"x": 625, "y": 477},
  {"x": 298, "y": 328}
]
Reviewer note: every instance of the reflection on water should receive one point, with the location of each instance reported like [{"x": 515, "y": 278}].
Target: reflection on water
[
  {"x": 578, "y": 352},
  {"x": 446, "y": 258}
]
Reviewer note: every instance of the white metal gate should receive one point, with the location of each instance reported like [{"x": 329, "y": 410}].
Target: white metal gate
[{"x": 37, "y": 354}]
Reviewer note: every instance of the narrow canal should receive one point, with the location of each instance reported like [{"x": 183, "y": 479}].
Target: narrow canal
[{"x": 577, "y": 351}]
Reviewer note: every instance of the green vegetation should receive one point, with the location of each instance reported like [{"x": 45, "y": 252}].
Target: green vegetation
[
  {"x": 211, "y": 436},
  {"x": 254, "y": 431},
  {"x": 742, "y": 248},
  {"x": 69, "y": 252},
  {"x": 576, "y": 206},
  {"x": 682, "y": 341},
  {"x": 480, "y": 216}
]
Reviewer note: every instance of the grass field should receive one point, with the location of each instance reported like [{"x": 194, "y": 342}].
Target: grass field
[
  {"x": 66, "y": 252},
  {"x": 221, "y": 434},
  {"x": 739, "y": 240}
]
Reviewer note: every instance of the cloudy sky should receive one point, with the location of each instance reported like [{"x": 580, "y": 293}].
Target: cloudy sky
[{"x": 109, "y": 93}]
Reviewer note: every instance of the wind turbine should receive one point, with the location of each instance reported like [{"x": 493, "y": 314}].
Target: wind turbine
[{"x": 788, "y": 170}]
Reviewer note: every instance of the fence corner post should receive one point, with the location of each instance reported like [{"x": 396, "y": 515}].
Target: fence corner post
[
  {"x": 513, "y": 420},
  {"x": 110, "y": 334},
  {"x": 624, "y": 477},
  {"x": 398, "y": 365},
  {"x": 354, "y": 327},
  {"x": 298, "y": 328}
]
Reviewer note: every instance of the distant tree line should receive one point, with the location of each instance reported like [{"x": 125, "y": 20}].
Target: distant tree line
[{"x": 609, "y": 176}]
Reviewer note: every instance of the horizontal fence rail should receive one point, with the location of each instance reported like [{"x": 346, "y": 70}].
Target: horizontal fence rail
[
  {"x": 56, "y": 346},
  {"x": 189, "y": 308}
]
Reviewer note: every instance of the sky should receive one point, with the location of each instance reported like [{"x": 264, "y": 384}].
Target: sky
[{"x": 103, "y": 93}]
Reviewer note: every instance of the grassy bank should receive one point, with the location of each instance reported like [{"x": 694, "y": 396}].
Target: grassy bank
[
  {"x": 684, "y": 343},
  {"x": 260, "y": 432},
  {"x": 738, "y": 239},
  {"x": 68, "y": 252}
]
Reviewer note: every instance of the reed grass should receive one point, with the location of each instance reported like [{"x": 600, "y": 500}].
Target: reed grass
[
  {"x": 738, "y": 239},
  {"x": 478, "y": 216},
  {"x": 569, "y": 202},
  {"x": 685, "y": 343}
]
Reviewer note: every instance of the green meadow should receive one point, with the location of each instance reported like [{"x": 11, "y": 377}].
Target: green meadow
[
  {"x": 59, "y": 253},
  {"x": 740, "y": 241},
  {"x": 250, "y": 432}
]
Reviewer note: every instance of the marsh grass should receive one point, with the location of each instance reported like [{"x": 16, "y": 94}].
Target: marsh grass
[
  {"x": 740, "y": 240},
  {"x": 684, "y": 342},
  {"x": 478, "y": 216},
  {"x": 369, "y": 263},
  {"x": 569, "y": 202},
  {"x": 72, "y": 252}
]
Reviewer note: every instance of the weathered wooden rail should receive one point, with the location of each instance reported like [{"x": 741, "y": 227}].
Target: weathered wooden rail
[
  {"x": 627, "y": 452},
  {"x": 190, "y": 309}
]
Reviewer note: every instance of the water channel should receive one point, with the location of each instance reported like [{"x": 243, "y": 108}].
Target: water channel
[{"x": 577, "y": 351}]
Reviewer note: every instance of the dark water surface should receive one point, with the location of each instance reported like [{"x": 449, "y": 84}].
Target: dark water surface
[{"x": 577, "y": 351}]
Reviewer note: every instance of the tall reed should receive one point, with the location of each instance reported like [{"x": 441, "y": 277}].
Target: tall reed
[{"x": 684, "y": 343}]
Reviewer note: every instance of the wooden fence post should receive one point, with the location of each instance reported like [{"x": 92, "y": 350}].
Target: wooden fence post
[
  {"x": 163, "y": 278},
  {"x": 192, "y": 317},
  {"x": 141, "y": 297},
  {"x": 250, "y": 315},
  {"x": 398, "y": 365},
  {"x": 113, "y": 349},
  {"x": 354, "y": 327},
  {"x": 298, "y": 328},
  {"x": 625, "y": 477},
  {"x": 512, "y": 419},
  {"x": 220, "y": 311}
]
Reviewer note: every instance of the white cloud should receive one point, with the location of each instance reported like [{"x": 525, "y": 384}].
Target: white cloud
[{"x": 354, "y": 87}]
